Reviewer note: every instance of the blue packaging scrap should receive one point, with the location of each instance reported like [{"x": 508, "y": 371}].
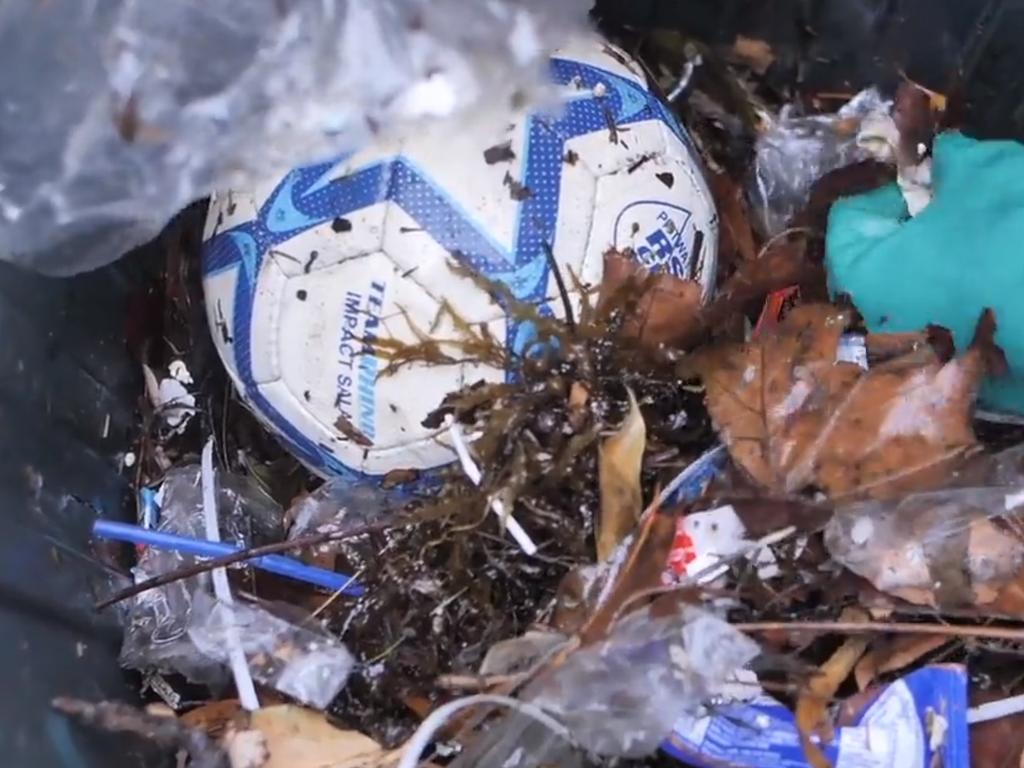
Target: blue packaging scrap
[
  {"x": 895, "y": 730},
  {"x": 898, "y": 729}
]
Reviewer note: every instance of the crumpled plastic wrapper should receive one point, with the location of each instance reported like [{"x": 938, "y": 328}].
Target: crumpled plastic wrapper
[
  {"x": 951, "y": 548},
  {"x": 156, "y": 634},
  {"x": 119, "y": 113},
  {"x": 796, "y": 150},
  {"x": 340, "y": 505},
  {"x": 622, "y": 696},
  {"x": 294, "y": 658}
]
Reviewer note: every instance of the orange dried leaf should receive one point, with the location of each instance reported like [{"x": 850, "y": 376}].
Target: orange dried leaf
[
  {"x": 619, "y": 473},
  {"x": 794, "y": 418},
  {"x": 811, "y": 707},
  {"x": 736, "y": 238},
  {"x": 214, "y": 716},
  {"x": 667, "y": 308},
  {"x": 894, "y": 655}
]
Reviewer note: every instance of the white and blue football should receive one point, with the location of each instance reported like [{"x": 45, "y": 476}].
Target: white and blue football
[{"x": 304, "y": 273}]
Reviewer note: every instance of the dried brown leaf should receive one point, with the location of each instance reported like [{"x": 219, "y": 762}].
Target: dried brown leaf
[
  {"x": 892, "y": 655},
  {"x": 301, "y": 738},
  {"x": 214, "y": 716},
  {"x": 793, "y": 418},
  {"x": 783, "y": 264},
  {"x": 621, "y": 457},
  {"x": 916, "y": 122},
  {"x": 641, "y": 570},
  {"x": 736, "y": 236},
  {"x": 667, "y": 308},
  {"x": 811, "y": 706}
]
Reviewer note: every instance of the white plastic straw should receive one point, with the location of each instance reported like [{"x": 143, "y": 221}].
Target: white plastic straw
[
  {"x": 473, "y": 473},
  {"x": 239, "y": 666},
  {"x": 995, "y": 710}
]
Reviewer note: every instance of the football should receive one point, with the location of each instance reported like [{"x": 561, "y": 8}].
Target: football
[{"x": 304, "y": 274}]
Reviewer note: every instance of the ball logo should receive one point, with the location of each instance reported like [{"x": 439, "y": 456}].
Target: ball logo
[{"x": 660, "y": 234}]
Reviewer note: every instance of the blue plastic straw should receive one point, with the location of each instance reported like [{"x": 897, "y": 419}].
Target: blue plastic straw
[{"x": 282, "y": 566}]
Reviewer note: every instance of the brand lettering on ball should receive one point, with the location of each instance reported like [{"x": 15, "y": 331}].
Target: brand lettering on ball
[{"x": 357, "y": 358}]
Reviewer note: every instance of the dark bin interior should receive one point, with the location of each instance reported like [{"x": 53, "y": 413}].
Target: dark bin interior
[
  {"x": 67, "y": 406},
  {"x": 68, "y": 388}
]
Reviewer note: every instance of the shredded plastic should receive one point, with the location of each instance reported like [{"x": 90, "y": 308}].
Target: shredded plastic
[
  {"x": 797, "y": 150},
  {"x": 294, "y": 658},
  {"x": 158, "y": 620},
  {"x": 622, "y": 695},
  {"x": 946, "y": 548},
  {"x": 117, "y": 114}
]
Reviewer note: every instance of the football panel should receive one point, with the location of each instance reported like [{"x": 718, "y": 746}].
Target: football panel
[
  {"x": 597, "y": 52},
  {"x": 422, "y": 260},
  {"x": 656, "y": 211},
  {"x": 471, "y": 171},
  {"x": 345, "y": 237},
  {"x": 328, "y": 323},
  {"x": 577, "y": 199},
  {"x": 624, "y": 147},
  {"x": 264, "y": 322},
  {"x": 682, "y": 149}
]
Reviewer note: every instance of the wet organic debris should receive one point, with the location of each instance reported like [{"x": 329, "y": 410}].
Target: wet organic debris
[{"x": 443, "y": 591}]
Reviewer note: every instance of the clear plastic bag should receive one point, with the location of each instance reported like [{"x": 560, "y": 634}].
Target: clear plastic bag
[
  {"x": 622, "y": 696},
  {"x": 157, "y": 621},
  {"x": 343, "y": 504},
  {"x": 949, "y": 548},
  {"x": 296, "y": 659},
  {"x": 797, "y": 150},
  {"x": 117, "y": 114}
]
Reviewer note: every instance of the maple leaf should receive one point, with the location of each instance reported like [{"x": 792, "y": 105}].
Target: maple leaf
[{"x": 795, "y": 419}]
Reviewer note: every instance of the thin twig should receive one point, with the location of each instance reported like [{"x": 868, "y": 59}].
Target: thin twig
[
  {"x": 337, "y": 593},
  {"x": 570, "y": 320},
  {"x": 248, "y": 554},
  {"x": 899, "y": 628}
]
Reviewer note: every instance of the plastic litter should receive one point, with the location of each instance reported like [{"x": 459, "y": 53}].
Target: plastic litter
[
  {"x": 705, "y": 539},
  {"x": 343, "y": 504},
  {"x": 796, "y": 150},
  {"x": 159, "y": 105},
  {"x": 691, "y": 483},
  {"x": 292, "y": 657},
  {"x": 946, "y": 548},
  {"x": 622, "y": 695},
  {"x": 157, "y": 621},
  {"x": 282, "y": 566},
  {"x": 916, "y": 722}
]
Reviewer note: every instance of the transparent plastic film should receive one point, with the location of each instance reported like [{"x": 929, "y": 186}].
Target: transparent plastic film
[
  {"x": 949, "y": 548},
  {"x": 118, "y": 114},
  {"x": 622, "y": 695}
]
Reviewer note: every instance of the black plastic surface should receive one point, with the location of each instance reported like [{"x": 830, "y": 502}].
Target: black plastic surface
[{"x": 63, "y": 373}]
